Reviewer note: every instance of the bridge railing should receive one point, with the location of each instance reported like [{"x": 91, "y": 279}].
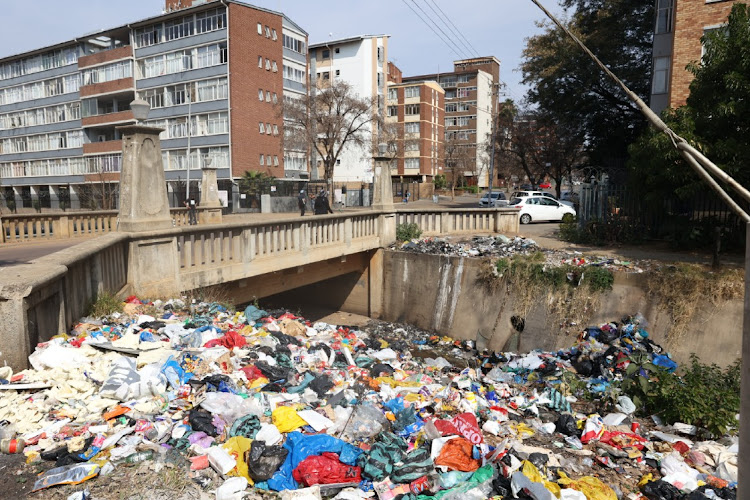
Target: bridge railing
[
  {"x": 444, "y": 221},
  {"x": 18, "y": 228}
]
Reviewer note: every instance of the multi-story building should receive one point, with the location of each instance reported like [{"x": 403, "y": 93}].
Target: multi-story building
[
  {"x": 470, "y": 104},
  {"x": 361, "y": 62},
  {"x": 678, "y": 28},
  {"x": 416, "y": 111},
  {"x": 60, "y": 106}
]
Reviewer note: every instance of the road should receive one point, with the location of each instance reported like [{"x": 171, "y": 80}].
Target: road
[{"x": 22, "y": 253}]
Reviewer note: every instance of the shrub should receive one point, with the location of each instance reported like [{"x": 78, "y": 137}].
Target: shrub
[
  {"x": 408, "y": 231},
  {"x": 440, "y": 182},
  {"x": 615, "y": 229},
  {"x": 104, "y": 305}
]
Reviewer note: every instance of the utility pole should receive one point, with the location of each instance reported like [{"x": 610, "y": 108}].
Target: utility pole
[
  {"x": 189, "y": 133},
  {"x": 493, "y": 132}
]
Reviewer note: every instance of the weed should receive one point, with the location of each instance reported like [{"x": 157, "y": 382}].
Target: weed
[
  {"x": 212, "y": 294},
  {"x": 105, "y": 305},
  {"x": 408, "y": 231}
]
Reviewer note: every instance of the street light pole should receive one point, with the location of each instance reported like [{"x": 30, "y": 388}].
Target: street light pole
[{"x": 189, "y": 133}]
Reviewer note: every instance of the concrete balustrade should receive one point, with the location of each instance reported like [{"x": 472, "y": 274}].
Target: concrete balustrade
[{"x": 445, "y": 221}]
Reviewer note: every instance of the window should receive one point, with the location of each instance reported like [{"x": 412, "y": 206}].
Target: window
[
  {"x": 411, "y": 109},
  {"x": 664, "y": 10},
  {"x": 661, "y": 75},
  {"x": 260, "y": 95},
  {"x": 268, "y": 65},
  {"x": 268, "y": 32},
  {"x": 275, "y": 161},
  {"x": 269, "y": 129},
  {"x": 274, "y": 36},
  {"x": 180, "y": 28},
  {"x": 338, "y": 72},
  {"x": 411, "y": 128},
  {"x": 392, "y": 94},
  {"x": 326, "y": 75},
  {"x": 294, "y": 44},
  {"x": 262, "y": 129},
  {"x": 411, "y": 163},
  {"x": 268, "y": 160},
  {"x": 411, "y": 92},
  {"x": 275, "y": 98},
  {"x": 268, "y": 96},
  {"x": 260, "y": 62},
  {"x": 210, "y": 20},
  {"x": 464, "y": 92},
  {"x": 326, "y": 54},
  {"x": 337, "y": 50},
  {"x": 392, "y": 110},
  {"x": 450, "y": 94},
  {"x": 262, "y": 158},
  {"x": 260, "y": 29},
  {"x": 450, "y": 107},
  {"x": 275, "y": 130},
  {"x": 412, "y": 146},
  {"x": 274, "y": 67}
]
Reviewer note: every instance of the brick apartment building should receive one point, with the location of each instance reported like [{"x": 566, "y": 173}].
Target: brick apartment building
[
  {"x": 678, "y": 28},
  {"x": 416, "y": 111},
  {"x": 60, "y": 106},
  {"x": 470, "y": 104}
]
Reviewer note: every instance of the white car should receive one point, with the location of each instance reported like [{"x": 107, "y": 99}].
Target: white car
[
  {"x": 526, "y": 194},
  {"x": 498, "y": 198},
  {"x": 540, "y": 208}
]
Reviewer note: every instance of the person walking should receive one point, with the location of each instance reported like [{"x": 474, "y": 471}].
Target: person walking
[
  {"x": 301, "y": 202},
  {"x": 190, "y": 205}
]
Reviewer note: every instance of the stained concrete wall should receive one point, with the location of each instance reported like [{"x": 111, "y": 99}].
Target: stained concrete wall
[{"x": 441, "y": 294}]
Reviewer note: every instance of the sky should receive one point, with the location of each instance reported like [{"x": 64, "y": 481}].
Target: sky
[{"x": 492, "y": 27}]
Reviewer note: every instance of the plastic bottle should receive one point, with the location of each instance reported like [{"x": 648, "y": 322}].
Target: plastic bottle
[
  {"x": 12, "y": 445},
  {"x": 135, "y": 458}
]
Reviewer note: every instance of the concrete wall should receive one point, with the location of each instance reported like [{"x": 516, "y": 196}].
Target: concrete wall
[{"x": 442, "y": 294}]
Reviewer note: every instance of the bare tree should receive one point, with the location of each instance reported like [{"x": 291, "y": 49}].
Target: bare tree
[
  {"x": 332, "y": 117},
  {"x": 460, "y": 159}
]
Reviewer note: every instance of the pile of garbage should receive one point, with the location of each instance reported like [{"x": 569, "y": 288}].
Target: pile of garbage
[
  {"x": 257, "y": 402},
  {"x": 478, "y": 246}
]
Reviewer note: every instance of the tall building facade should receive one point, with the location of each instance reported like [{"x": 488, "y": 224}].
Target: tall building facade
[
  {"x": 416, "y": 114},
  {"x": 471, "y": 102},
  {"x": 213, "y": 73},
  {"x": 678, "y": 28},
  {"x": 360, "y": 61}
]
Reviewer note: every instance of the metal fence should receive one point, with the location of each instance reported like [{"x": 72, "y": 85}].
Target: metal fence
[{"x": 660, "y": 218}]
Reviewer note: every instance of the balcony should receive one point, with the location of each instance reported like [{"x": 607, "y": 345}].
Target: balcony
[
  {"x": 105, "y": 56},
  {"x": 109, "y": 118},
  {"x": 111, "y": 87},
  {"x": 102, "y": 147}
]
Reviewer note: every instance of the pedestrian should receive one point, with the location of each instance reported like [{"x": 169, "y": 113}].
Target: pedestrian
[
  {"x": 322, "y": 206},
  {"x": 301, "y": 202},
  {"x": 408, "y": 196},
  {"x": 190, "y": 205}
]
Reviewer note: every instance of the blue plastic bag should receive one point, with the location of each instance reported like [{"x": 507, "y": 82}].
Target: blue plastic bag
[
  {"x": 300, "y": 447},
  {"x": 176, "y": 375},
  {"x": 664, "y": 361},
  {"x": 253, "y": 314}
]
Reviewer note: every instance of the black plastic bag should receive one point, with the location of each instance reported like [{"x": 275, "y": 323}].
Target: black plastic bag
[
  {"x": 201, "y": 421},
  {"x": 660, "y": 490},
  {"x": 263, "y": 461},
  {"x": 584, "y": 367},
  {"x": 321, "y": 384},
  {"x": 379, "y": 368},
  {"x": 273, "y": 373},
  {"x": 285, "y": 339},
  {"x": 539, "y": 459},
  {"x": 566, "y": 423}
]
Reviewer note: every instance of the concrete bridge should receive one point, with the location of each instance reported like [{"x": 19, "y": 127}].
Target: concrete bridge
[{"x": 251, "y": 259}]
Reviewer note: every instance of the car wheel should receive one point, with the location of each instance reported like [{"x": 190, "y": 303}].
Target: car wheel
[{"x": 525, "y": 219}]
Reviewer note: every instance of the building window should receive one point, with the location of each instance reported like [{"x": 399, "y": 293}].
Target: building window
[
  {"x": 326, "y": 54},
  {"x": 268, "y": 65},
  {"x": 412, "y": 146},
  {"x": 664, "y": 9},
  {"x": 260, "y": 95},
  {"x": 392, "y": 94},
  {"x": 411, "y": 92},
  {"x": 338, "y": 72},
  {"x": 464, "y": 92},
  {"x": 262, "y": 129},
  {"x": 268, "y": 96},
  {"x": 260, "y": 29},
  {"x": 274, "y": 36},
  {"x": 275, "y": 98},
  {"x": 411, "y": 163},
  {"x": 411, "y": 128},
  {"x": 275, "y": 161},
  {"x": 411, "y": 109},
  {"x": 661, "y": 75},
  {"x": 275, "y": 130},
  {"x": 450, "y": 108},
  {"x": 326, "y": 75},
  {"x": 337, "y": 50},
  {"x": 268, "y": 160},
  {"x": 269, "y": 129},
  {"x": 262, "y": 158},
  {"x": 274, "y": 67},
  {"x": 268, "y": 32},
  {"x": 260, "y": 62},
  {"x": 392, "y": 110}
]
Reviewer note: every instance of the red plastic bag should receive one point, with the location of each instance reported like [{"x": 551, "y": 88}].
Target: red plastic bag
[
  {"x": 326, "y": 469},
  {"x": 457, "y": 455},
  {"x": 252, "y": 372},
  {"x": 467, "y": 426},
  {"x": 229, "y": 340},
  {"x": 622, "y": 439},
  {"x": 446, "y": 428}
]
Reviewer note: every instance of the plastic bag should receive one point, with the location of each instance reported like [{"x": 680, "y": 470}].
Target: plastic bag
[
  {"x": 366, "y": 422},
  {"x": 300, "y": 447},
  {"x": 122, "y": 375},
  {"x": 664, "y": 361},
  {"x": 253, "y": 314},
  {"x": 230, "y": 406},
  {"x": 660, "y": 490},
  {"x": 232, "y": 489},
  {"x": 202, "y": 421},
  {"x": 263, "y": 461},
  {"x": 467, "y": 426},
  {"x": 417, "y": 463},
  {"x": 286, "y": 419},
  {"x": 247, "y": 426},
  {"x": 593, "y": 428},
  {"x": 457, "y": 454},
  {"x": 230, "y": 340},
  {"x": 326, "y": 469},
  {"x": 377, "y": 464},
  {"x": 237, "y": 447},
  {"x": 69, "y": 474},
  {"x": 592, "y": 487}
]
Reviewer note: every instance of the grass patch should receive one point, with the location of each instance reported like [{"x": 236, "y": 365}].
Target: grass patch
[
  {"x": 682, "y": 288},
  {"x": 105, "y": 304},
  {"x": 214, "y": 294}
]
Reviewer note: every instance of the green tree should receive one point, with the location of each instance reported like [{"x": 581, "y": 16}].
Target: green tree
[
  {"x": 568, "y": 88},
  {"x": 715, "y": 120}
]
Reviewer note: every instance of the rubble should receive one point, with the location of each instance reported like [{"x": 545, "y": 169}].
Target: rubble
[{"x": 256, "y": 402}]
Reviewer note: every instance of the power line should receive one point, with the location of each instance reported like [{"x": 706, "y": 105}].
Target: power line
[
  {"x": 466, "y": 43},
  {"x": 445, "y": 41},
  {"x": 448, "y": 37}
]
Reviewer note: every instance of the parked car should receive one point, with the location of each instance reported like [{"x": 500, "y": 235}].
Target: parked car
[
  {"x": 540, "y": 208},
  {"x": 498, "y": 199},
  {"x": 527, "y": 187},
  {"x": 571, "y": 196},
  {"x": 552, "y": 196}
]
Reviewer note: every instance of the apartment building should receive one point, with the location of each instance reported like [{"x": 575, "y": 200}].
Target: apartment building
[
  {"x": 60, "y": 106},
  {"x": 678, "y": 28},
  {"x": 471, "y": 102},
  {"x": 361, "y": 62},
  {"x": 416, "y": 114}
]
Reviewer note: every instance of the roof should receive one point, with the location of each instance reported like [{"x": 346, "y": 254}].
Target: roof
[
  {"x": 143, "y": 22},
  {"x": 345, "y": 40}
]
